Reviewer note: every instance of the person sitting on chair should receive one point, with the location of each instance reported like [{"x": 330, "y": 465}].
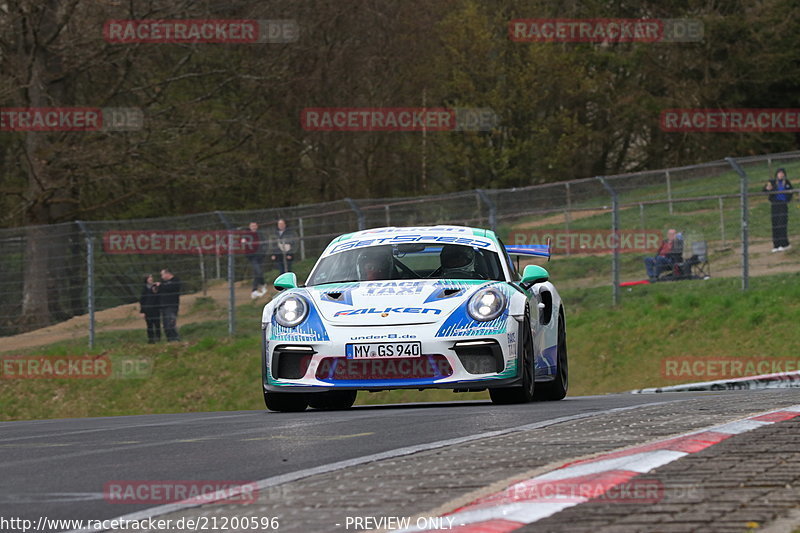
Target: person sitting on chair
[{"x": 670, "y": 252}]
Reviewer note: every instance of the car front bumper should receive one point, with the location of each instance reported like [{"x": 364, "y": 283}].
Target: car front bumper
[{"x": 460, "y": 363}]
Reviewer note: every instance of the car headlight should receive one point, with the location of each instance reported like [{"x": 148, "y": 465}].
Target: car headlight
[
  {"x": 486, "y": 304},
  {"x": 291, "y": 311}
]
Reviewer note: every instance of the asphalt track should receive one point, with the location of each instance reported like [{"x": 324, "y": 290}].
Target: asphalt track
[{"x": 58, "y": 468}]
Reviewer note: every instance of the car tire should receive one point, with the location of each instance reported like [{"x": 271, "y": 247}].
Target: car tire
[
  {"x": 332, "y": 400},
  {"x": 557, "y": 389},
  {"x": 287, "y": 402},
  {"x": 524, "y": 393}
]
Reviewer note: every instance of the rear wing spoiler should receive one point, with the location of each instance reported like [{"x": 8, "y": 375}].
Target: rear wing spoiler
[{"x": 536, "y": 250}]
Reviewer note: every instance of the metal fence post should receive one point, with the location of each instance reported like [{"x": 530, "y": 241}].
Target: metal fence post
[
  {"x": 641, "y": 214},
  {"x": 231, "y": 276},
  {"x": 568, "y": 196},
  {"x": 721, "y": 221},
  {"x": 359, "y": 213},
  {"x": 216, "y": 258},
  {"x": 202, "y": 270},
  {"x": 90, "y": 303},
  {"x": 302, "y": 238},
  {"x": 388, "y": 216},
  {"x": 745, "y": 221},
  {"x": 615, "y": 232},
  {"x": 567, "y": 214},
  {"x": 669, "y": 191},
  {"x": 492, "y": 208}
]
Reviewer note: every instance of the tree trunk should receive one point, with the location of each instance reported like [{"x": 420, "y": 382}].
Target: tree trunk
[{"x": 35, "y": 304}]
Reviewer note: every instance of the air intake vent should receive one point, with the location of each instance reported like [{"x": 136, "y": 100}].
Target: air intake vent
[
  {"x": 447, "y": 292},
  {"x": 483, "y": 356},
  {"x": 291, "y": 362}
]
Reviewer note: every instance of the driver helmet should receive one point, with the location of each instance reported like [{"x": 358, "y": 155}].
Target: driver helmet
[
  {"x": 375, "y": 264},
  {"x": 456, "y": 256}
]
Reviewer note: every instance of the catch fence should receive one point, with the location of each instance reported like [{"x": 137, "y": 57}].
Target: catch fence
[{"x": 72, "y": 272}]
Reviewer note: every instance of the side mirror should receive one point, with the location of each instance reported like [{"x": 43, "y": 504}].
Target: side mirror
[
  {"x": 287, "y": 280},
  {"x": 534, "y": 274}
]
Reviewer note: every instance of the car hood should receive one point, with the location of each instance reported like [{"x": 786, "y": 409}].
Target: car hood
[{"x": 389, "y": 303}]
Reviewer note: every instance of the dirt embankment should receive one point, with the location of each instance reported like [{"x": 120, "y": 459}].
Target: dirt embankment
[{"x": 194, "y": 308}]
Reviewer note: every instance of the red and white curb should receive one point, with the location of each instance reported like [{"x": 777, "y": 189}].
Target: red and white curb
[
  {"x": 779, "y": 380},
  {"x": 533, "y": 499}
]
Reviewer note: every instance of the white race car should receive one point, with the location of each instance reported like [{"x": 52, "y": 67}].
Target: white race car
[{"x": 414, "y": 308}]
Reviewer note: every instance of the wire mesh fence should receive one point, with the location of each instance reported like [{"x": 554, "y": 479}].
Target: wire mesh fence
[{"x": 67, "y": 273}]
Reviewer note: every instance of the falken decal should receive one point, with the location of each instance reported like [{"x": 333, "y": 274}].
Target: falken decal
[
  {"x": 400, "y": 239},
  {"x": 406, "y": 229},
  {"x": 388, "y": 310}
]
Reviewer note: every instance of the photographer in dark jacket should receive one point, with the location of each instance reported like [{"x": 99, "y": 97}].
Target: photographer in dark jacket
[
  {"x": 150, "y": 308},
  {"x": 169, "y": 293},
  {"x": 282, "y": 247},
  {"x": 779, "y": 201}
]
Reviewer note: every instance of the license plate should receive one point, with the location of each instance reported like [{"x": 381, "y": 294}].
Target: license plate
[{"x": 383, "y": 350}]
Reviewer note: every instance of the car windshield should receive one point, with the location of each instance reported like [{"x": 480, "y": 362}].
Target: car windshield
[{"x": 408, "y": 261}]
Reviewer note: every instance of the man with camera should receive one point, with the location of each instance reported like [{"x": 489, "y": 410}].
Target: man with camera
[{"x": 283, "y": 242}]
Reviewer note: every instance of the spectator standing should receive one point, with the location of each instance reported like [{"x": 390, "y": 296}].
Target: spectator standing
[
  {"x": 169, "y": 293},
  {"x": 779, "y": 205},
  {"x": 149, "y": 307},
  {"x": 283, "y": 242},
  {"x": 670, "y": 252},
  {"x": 254, "y": 248}
]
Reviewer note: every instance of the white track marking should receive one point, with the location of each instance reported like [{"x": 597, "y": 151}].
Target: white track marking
[
  {"x": 504, "y": 508},
  {"x": 300, "y": 474}
]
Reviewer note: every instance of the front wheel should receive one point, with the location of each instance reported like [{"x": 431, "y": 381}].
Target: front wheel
[
  {"x": 557, "y": 389},
  {"x": 332, "y": 400},
  {"x": 525, "y": 393},
  {"x": 287, "y": 402}
]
